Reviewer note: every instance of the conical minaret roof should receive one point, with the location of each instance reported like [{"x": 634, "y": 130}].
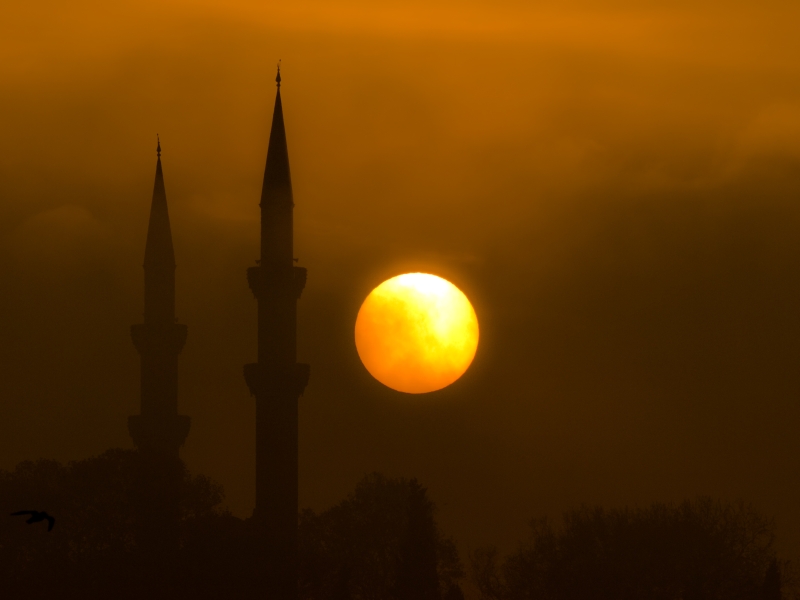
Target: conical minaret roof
[
  {"x": 159, "y": 251},
  {"x": 277, "y": 179}
]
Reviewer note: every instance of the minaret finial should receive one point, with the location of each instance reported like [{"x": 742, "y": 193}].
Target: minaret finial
[
  {"x": 278, "y": 78},
  {"x": 158, "y": 148}
]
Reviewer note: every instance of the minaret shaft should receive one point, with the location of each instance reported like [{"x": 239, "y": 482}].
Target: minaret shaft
[{"x": 277, "y": 380}]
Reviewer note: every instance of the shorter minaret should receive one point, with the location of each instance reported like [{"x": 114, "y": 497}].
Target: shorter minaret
[{"x": 159, "y": 429}]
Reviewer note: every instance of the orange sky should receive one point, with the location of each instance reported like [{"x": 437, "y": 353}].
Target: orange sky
[{"x": 615, "y": 188}]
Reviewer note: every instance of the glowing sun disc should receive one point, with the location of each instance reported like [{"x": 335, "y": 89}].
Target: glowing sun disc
[{"x": 416, "y": 333}]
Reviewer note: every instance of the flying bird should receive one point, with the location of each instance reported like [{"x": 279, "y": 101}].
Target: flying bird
[{"x": 37, "y": 516}]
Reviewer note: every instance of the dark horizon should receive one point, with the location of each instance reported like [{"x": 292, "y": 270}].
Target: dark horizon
[{"x": 615, "y": 189}]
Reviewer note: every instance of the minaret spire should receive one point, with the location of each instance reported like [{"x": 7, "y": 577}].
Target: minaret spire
[
  {"x": 159, "y": 256},
  {"x": 276, "y": 193},
  {"x": 277, "y": 380}
]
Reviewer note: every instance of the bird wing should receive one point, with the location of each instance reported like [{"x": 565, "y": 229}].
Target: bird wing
[
  {"x": 24, "y": 512},
  {"x": 51, "y": 522}
]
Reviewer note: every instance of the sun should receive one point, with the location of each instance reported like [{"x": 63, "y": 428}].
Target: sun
[{"x": 416, "y": 333}]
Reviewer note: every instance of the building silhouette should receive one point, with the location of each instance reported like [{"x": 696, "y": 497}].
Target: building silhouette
[
  {"x": 277, "y": 380},
  {"x": 159, "y": 429}
]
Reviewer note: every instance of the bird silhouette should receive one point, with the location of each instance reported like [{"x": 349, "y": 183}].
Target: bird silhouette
[{"x": 37, "y": 516}]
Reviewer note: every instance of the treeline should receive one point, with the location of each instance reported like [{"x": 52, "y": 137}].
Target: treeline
[
  {"x": 697, "y": 550},
  {"x": 382, "y": 541},
  {"x": 113, "y": 540}
]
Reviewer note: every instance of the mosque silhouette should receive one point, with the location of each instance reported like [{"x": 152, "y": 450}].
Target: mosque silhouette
[{"x": 276, "y": 379}]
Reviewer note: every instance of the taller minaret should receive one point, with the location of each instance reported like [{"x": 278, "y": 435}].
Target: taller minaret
[
  {"x": 277, "y": 380},
  {"x": 159, "y": 429}
]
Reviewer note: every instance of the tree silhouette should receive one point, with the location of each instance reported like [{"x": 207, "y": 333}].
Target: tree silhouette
[
  {"x": 697, "y": 550},
  {"x": 381, "y": 542},
  {"x": 97, "y": 549},
  {"x": 112, "y": 541}
]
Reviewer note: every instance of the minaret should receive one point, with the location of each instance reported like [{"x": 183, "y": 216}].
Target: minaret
[
  {"x": 277, "y": 380},
  {"x": 159, "y": 429}
]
